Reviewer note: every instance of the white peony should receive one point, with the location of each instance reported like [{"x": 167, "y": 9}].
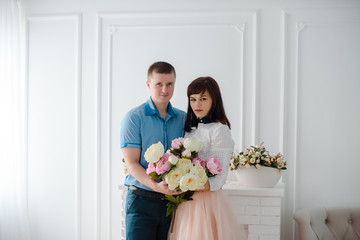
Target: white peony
[
  {"x": 184, "y": 164},
  {"x": 192, "y": 144},
  {"x": 154, "y": 152},
  {"x": 173, "y": 177},
  {"x": 186, "y": 153},
  {"x": 188, "y": 182},
  {"x": 173, "y": 160},
  {"x": 199, "y": 171}
]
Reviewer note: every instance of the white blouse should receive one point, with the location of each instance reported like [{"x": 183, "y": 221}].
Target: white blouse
[{"x": 217, "y": 142}]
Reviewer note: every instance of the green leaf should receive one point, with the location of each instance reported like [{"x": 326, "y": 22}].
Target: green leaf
[
  {"x": 154, "y": 175},
  {"x": 185, "y": 199},
  {"x": 174, "y": 201},
  {"x": 176, "y": 152},
  {"x": 171, "y": 198},
  {"x": 169, "y": 210}
]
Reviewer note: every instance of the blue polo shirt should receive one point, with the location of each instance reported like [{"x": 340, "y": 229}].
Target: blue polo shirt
[{"x": 143, "y": 126}]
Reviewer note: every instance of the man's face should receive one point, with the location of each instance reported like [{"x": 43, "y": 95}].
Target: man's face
[{"x": 161, "y": 87}]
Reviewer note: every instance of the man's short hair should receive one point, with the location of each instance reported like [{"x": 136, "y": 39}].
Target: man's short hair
[{"x": 161, "y": 67}]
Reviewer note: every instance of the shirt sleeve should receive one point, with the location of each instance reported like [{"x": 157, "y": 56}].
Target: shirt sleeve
[
  {"x": 130, "y": 128},
  {"x": 222, "y": 145}
]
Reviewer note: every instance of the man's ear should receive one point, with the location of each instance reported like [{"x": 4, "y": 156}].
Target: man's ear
[{"x": 147, "y": 83}]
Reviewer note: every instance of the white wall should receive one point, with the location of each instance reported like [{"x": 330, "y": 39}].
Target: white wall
[{"x": 289, "y": 74}]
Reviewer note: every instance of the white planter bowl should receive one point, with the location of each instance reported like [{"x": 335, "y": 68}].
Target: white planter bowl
[{"x": 264, "y": 177}]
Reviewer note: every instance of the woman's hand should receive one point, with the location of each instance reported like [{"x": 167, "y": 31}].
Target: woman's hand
[{"x": 206, "y": 187}]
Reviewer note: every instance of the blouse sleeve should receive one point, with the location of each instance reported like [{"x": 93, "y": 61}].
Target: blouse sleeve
[{"x": 222, "y": 145}]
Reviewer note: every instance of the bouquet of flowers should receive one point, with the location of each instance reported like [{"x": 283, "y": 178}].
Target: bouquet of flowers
[
  {"x": 181, "y": 169},
  {"x": 257, "y": 156}
]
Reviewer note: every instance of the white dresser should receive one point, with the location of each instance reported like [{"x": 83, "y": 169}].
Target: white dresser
[{"x": 258, "y": 210}]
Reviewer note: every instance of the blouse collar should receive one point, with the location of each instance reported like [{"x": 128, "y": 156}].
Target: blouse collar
[{"x": 204, "y": 120}]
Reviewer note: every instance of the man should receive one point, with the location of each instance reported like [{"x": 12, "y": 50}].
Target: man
[{"x": 154, "y": 121}]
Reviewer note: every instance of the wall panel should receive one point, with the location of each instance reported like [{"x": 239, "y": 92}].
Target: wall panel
[
  {"x": 53, "y": 126},
  {"x": 196, "y": 43},
  {"x": 288, "y": 71},
  {"x": 320, "y": 72}
]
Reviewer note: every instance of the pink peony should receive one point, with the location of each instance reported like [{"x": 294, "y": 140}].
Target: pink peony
[
  {"x": 163, "y": 165},
  {"x": 199, "y": 161},
  {"x": 151, "y": 168},
  {"x": 213, "y": 165},
  {"x": 177, "y": 142}
]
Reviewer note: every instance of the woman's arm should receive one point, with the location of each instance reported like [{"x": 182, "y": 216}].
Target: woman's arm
[{"x": 222, "y": 145}]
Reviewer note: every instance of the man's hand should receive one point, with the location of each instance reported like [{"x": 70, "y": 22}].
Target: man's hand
[
  {"x": 162, "y": 187},
  {"x": 132, "y": 159}
]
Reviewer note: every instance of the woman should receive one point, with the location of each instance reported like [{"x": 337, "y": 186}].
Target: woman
[{"x": 209, "y": 215}]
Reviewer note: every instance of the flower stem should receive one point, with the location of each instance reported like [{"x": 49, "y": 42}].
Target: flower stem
[{"x": 173, "y": 216}]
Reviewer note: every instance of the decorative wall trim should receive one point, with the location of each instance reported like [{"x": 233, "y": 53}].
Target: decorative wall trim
[
  {"x": 244, "y": 16},
  {"x": 301, "y": 20},
  {"x": 282, "y": 81},
  {"x": 284, "y": 87},
  {"x": 110, "y": 82},
  {"x": 77, "y": 18},
  {"x": 98, "y": 131},
  {"x": 299, "y": 28},
  {"x": 104, "y": 85},
  {"x": 255, "y": 106},
  {"x": 103, "y": 144},
  {"x": 242, "y": 28},
  {"x": 79, "y": 129}
]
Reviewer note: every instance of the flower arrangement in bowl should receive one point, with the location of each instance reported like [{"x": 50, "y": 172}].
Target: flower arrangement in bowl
[{"x": 255, "y": 167}]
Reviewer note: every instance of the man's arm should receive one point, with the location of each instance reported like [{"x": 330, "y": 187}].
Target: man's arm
[{"x": 132, "y": 161}]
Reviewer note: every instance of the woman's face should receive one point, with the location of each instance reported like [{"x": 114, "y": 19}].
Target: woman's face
[{"x": 201, "y": 104}]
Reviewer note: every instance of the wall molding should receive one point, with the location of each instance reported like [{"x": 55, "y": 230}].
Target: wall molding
[
  {"x": 255, "y": 106},
  {"x": 77, "y": 18},
  {"x": 294, "y": 22},
  {"x": 108, "y": 25},
  {"x": 98, "y": 131}
]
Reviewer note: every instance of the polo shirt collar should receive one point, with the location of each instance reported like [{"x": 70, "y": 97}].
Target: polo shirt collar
[{"x": 150, "y": 109}]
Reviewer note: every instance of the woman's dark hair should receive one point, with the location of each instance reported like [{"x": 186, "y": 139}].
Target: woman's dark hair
[{"x": 217, "y": 111}]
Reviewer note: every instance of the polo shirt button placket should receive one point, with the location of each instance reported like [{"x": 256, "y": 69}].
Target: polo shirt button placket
[{"x": 165, "y": 135}]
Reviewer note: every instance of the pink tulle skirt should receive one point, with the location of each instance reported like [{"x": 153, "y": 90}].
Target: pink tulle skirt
[{"x": 208, "y": 216}]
